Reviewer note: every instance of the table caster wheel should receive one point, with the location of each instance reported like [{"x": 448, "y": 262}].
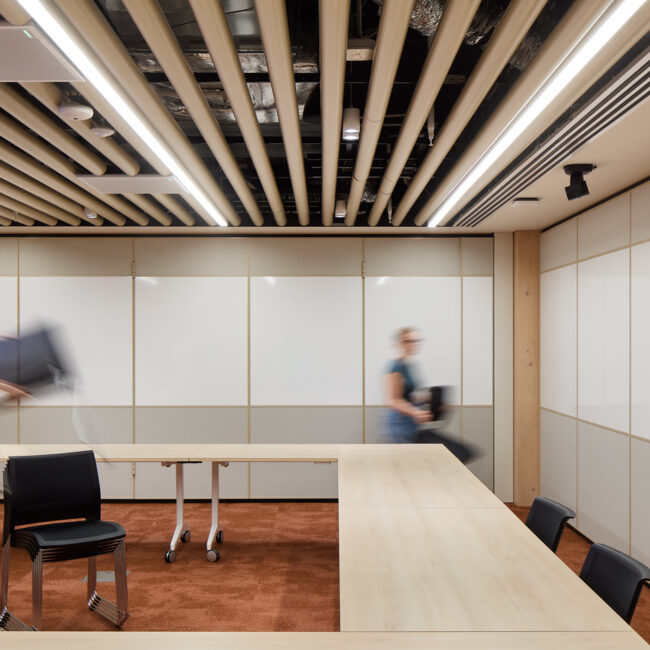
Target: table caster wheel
[
  {"x": 219, "y": 536},
  {"x": 186, "y": 536},
  {"x": 170, "y": 556},
  {"x": 213, "y": 555}
]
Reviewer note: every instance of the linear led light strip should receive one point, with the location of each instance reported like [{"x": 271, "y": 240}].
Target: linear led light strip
[
  {"x": 560, "y": 79},
  {"x": 66, "y": 43}
]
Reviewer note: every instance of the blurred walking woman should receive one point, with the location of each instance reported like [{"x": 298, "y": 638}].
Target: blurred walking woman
[{"x": 404, "y": 415}]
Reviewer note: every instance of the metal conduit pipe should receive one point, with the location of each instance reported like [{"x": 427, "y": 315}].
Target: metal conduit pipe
[
  {"x": 12, "y": 132},
  {"x": 12, "y": 215},
  {"x": 150, "y": 208},
  {"x": 51, "y": 97},
  {"x": 155, "y": 29},
  {"x": 274, "y": 30},
  {"x": 578, "y": 20},
  {"x": 26, "y": 210},
  {"x": 212, "y": 22},
  {"x": 175, "y": 208},
  {"x": 30, "y": 167},
  {"x": 28, "y": 184},
  {"x": 18, "y": 194},
  {"x": 333, "y": 24},
  {"x": 393, "y": 25},
  {"x": 89, "y": 21},
  {"x": 512, "y": 28},
  {"x": 13, "y": 13},
  {"x": 31, "y": 117},
  {"x": 456, "y": 18}
]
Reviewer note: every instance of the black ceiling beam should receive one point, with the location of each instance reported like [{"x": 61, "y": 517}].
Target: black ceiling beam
[{"x": 213, "y": 77}]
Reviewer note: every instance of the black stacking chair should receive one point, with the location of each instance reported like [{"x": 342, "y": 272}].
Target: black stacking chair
[
  {"x": 51, "y": 488},
  {"x": 616, "y": 577},
  {"x": 547, "y": 520}
]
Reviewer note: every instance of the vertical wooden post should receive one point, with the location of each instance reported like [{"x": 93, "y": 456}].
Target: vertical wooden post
[{"x": 526, "y": 366}]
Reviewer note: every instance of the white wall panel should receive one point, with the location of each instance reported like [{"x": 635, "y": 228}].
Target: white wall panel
[
  {"x": 604, "y": 485},
  {"x": 558, "y": 342},
  {"x": 306, "y": 340},
  {"x": 8, "y": 305},
  {"x": 640, "y": 341},
  {"x": 433, "y": 306},
  {"x": 605, "y": 227},
  {"x": 93, "y": 315},
  {"x": 477, "y": 341},
  {"x": 640, "y": 212},
  {"x": 559, "y": 245},
  {"x": 191, "y": 341},
  {"x": 603, "y": 340}
]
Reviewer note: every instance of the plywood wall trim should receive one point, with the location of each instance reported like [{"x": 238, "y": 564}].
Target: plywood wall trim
[
  {"x": 526, "y": 366},
  {"x": 309, "y": 256},
  {"x": 503, "y": 369},
  {"x": 71, "y": 256},
  {"x": 8, "y": 256},
  {"x": 412, "y": 257}
]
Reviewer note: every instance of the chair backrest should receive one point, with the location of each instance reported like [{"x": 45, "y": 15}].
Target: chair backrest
[
  {"x": 50, "y": 487},
  {"x": 547, "y": 519},
  {"x": 616, "y": 577}
]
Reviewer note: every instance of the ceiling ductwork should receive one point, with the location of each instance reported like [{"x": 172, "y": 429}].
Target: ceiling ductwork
[{"x": 261, "y": 95}]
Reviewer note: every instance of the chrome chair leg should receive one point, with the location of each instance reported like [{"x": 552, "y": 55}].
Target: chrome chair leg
[
  {"x": 37, "y": 590},
  {"x": 8, "y": 621},
  {"x": 92, "y": 578},
  {"x": 4, "y": 585},
  {"x": 116, "y": 614},
  {"x": 122, "y": 594}
]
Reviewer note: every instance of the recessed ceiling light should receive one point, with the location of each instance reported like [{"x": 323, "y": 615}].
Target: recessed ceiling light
[{"x": 598, "y": 36}]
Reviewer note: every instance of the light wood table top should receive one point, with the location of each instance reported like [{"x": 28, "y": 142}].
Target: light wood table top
[
  {"x": 629, "y": 640},
  {"x": 428, "y": 558},
  {"x": 133, "y": 453},
  {"x": 457, "y": 569},
  {"x": 415, "y": 476}
]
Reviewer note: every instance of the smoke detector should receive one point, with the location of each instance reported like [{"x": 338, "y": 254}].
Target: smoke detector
[
  {"x": 76, "y": 112},
  {"x": 102, "y": 131}
]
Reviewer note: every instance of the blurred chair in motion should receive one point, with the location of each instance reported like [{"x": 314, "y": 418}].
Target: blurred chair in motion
[
  {"x": 55, "y": 487},
  {"x": 616, "y": 577},
  {"x": 547, "y": 520}
]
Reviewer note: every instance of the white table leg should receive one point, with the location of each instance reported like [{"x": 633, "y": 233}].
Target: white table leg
[
  {"x": 181, "y": 532},
  {"x": 216, "y": 531}
]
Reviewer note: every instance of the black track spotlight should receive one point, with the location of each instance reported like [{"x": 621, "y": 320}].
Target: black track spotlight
[{"x": 577, "y": 186}]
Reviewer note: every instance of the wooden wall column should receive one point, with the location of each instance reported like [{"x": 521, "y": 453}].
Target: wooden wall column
[{"x": 526, "y": 366}]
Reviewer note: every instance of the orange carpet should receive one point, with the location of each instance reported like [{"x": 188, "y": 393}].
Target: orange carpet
[{"x": 278, "y": 572}]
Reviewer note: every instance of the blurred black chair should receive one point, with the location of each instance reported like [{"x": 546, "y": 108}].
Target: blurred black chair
[
  {"x": 616, "y": 577},
  {"x": 55, "y": 487},
  {"x": 547, "y": 520}
]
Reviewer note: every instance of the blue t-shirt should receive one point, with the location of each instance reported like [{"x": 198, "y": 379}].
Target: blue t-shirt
[{"x": 400, "y": 366}]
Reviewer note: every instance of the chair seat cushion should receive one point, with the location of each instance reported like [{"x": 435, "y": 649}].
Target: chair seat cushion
[{"x": 72, "y": 538}]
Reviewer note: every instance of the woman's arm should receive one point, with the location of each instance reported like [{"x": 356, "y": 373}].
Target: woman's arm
[
  {"x": 397, "y": 402},
  {"x": 11, "y": 390}
]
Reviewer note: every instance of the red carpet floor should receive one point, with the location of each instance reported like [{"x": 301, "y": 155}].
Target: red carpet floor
[{"x": 278, "y": 572}]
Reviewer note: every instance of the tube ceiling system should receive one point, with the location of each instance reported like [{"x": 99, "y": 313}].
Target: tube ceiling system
[{"x": 226, "y": 115}]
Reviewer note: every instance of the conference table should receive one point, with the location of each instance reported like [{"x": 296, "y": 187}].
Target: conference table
[{"x": 428, "y": 558}]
